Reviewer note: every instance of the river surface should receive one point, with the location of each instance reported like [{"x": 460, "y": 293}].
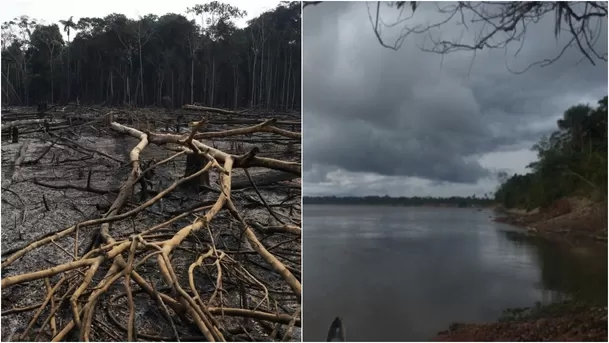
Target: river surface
[{"x": 406, "y": 273}]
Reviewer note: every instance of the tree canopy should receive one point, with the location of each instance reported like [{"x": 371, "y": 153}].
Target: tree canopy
[
  {"x": 571, "y": 161},
  {"x": 122, "y": 61}
]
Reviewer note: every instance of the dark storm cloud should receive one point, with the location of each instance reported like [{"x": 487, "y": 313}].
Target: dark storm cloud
[{"x": 415, "y": 114}]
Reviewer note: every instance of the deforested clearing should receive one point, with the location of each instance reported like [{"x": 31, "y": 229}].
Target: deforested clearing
[{"x": 86, "y": 247}]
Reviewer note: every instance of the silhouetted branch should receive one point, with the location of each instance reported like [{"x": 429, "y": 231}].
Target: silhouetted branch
[{"x": 499, "y": 24}]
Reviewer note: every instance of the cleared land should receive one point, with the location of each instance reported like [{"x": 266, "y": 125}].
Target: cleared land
[{"x": 107, "y": 234}]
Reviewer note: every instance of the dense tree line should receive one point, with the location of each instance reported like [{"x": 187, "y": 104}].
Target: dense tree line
[
  {"x": 470, "y": 201},
  {"x": 571, "y": 161},
  {"x": 121, "y": 61}
]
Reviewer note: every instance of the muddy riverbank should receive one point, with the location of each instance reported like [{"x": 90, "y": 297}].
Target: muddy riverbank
[
  {"x": 572, "y": 219},
  {"x": 568, "y": 321}
]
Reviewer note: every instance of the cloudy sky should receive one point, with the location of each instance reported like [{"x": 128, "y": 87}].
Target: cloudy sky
[
  {"x": 53, "y": 11},
  {"x": 411, "y": 123}
]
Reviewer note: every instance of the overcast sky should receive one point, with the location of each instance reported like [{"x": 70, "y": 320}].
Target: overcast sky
[
  {"x": 53, "y": 11},
  {"x": 408, "y": 123}
]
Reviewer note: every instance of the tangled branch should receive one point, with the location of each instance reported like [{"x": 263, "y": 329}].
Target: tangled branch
[
  {"x": 175, "y": 285},
  {"x": 498, "y": 24}
]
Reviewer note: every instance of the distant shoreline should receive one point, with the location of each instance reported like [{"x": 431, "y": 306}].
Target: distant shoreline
[{"x": 452, "y": 202}]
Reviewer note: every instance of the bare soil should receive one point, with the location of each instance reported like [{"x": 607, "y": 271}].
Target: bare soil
[
  {"x": 561, "y": 322},
  {"x": 572, "y": 219}
]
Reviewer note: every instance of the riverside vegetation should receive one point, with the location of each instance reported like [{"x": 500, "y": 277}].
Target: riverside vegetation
[{"x": 563, "y": 198}]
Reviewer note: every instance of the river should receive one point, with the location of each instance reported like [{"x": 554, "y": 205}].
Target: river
[{"x": 406, "y": 273}]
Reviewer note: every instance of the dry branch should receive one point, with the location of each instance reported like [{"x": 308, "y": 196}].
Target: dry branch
[
  {"x": 208, "y": 109},
  {"x": 82, "y": 279}
]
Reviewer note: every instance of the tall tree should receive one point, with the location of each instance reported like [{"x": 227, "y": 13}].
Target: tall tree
[
  {"x": 68, "y": 25},
  {"x": 571, "y": 161}
]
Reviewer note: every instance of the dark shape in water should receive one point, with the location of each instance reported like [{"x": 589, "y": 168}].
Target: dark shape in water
[{"x": 337, "y": 331}]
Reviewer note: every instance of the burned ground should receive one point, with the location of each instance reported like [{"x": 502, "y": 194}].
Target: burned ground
[{"x": 131, "y": 275}]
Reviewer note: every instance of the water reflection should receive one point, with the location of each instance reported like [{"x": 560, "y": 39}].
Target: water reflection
[
  {"x": 406, "y": 273},
  {"x": 577, "y": 271}
]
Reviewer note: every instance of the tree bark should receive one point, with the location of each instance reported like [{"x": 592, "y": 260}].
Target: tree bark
[
  {"x": 69, "y": 83},
  {"x": 192, "y": 81},
  {"x": 194, "y": 163},
  {"x": 139, "y": 39}
]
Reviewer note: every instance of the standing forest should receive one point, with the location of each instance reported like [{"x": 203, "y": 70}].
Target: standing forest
[
  {"x": 117, "y": 60},
  {"x": 572, "y": 161},
  {"x": 565, "y": 192}
]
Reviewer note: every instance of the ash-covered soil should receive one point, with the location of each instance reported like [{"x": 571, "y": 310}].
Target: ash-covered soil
[{"x": 44, "y": 177}]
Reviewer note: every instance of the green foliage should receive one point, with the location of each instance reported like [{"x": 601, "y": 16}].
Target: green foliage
[
  {"x": 571, "y": 161},
  {"x": 122, "y": 61}
]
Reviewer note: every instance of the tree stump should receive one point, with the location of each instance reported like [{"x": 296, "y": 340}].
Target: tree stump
[
  {"x": 179, "y": 121},
  {"x": 109, "y": 118},
  {"x": 15, "y": 134},
  {"x": 42, "y": 107},
  {"x": 290, "y": 148},
  {"x": 146, "y": 179},
  {"x": 194, "y": 163},
  {"x": 167, "y": 103}
]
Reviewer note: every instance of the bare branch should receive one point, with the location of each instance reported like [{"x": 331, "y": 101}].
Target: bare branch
[{"x": 499, "y": 24}]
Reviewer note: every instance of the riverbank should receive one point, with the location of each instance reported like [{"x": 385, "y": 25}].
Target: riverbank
[
  {"x": 567, "y": 321},
  {"x": 573, "y": 219},
  {"x": 577, "y": 221}
]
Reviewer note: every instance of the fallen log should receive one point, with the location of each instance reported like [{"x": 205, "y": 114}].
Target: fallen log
[
  {"x": 208, "y": 109},
  {"x": 22, "y": 123},
  {"x": 265, "y": 179}
]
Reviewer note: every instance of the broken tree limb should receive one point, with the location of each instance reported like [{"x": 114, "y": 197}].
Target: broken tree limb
[
  {"x": 101, "y": 153},
  {"x": 19, "y": 159},
  {"x": 208, "y": 109},
  {"x": 25, "y": 122},
  {"x": 265, "y": 126},
  {"x": 238, "y": 121},
  {"x": 268, "y": 257},
  {"x": 293, "y": 229},
  {"x": 87, "y": 188},
  {"x": 235, "y": 132},
  {"x": 264, "y": 179},
  {"x": 161, "y": 138}
]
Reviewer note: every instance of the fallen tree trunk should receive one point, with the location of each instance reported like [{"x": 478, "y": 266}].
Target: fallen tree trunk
[
  {"x": 265, "y": 179},
  {"x": 208, "y": 109}
]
